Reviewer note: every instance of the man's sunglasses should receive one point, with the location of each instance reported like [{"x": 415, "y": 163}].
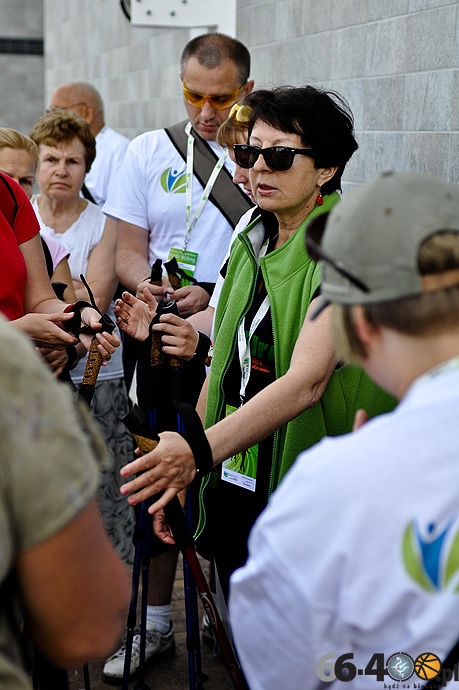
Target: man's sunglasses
[
  {"x": 219, "y": 102},
  {"x": 314, "y": 233},
  {"x": 276, "y": 157}
]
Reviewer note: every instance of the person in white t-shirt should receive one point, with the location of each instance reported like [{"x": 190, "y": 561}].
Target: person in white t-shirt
[
  {"x": 83, "y": 98},
  {"x": 150, "y": 197},
  {"x": 352, "y": 575}
]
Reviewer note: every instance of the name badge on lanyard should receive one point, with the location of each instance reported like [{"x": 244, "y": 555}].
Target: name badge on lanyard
[{"x": 241, "y": 468}]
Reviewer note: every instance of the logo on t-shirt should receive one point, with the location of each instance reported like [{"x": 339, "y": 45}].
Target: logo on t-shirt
[
  {"x": 173, "y": 181},
  {"x": 431, "y": 555}
]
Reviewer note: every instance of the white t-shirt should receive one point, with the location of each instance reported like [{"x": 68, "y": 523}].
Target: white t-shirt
[
  {"x": 79, "y": 240},
  {"x": 149, "y": 192},
  {"x": 110, "y": 149},
  {"x": 358, "y": 551}
]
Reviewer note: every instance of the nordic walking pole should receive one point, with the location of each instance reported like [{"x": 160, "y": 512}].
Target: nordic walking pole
[
  {"x": 164, "y": 376},
  {"x": 143, "y": 531},
  {"x": 146, "y": 439},
  {"x": 184, "y": 540},
  {"x": 135, "y": 419},
  {"x": 195, "y": 673}
]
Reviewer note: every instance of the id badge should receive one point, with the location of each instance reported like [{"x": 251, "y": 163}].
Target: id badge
[
  {"x": 241, "y": 469},
  {"x": 186, "y": 260}
]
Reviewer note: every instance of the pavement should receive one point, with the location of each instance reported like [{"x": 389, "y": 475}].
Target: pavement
[{"x": 170, "y": 673}]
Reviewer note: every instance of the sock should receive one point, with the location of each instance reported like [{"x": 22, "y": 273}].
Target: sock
[{"x": 159, "y": 618}]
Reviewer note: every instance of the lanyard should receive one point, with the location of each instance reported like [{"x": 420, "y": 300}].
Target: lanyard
[
  {"x": 190, "y": 220},
  {"x": 243, "y": 343}
]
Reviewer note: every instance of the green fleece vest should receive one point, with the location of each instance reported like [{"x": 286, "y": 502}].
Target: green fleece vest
[{"x": 291, "y": 280}]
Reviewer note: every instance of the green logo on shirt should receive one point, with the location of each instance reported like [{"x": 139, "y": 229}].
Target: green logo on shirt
[
  {"x": 173, "y": 181},
  {"x": 432, "y": 559}
]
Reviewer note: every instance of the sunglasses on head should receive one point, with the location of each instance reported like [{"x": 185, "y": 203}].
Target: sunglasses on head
[
  {"x": 276, "y": 157},
  {"x": 219, "y": 102},
  {"x": 314, "y": 233}
]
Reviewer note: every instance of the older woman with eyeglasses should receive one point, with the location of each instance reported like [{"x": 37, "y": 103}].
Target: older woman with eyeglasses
[{"x": 274, "y": 386}]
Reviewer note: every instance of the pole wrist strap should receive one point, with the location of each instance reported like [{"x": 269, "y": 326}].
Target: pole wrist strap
[{"x": 196, "y": 438}]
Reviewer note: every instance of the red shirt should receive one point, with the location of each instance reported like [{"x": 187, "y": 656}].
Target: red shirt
[{"x": 18, "y": 224}]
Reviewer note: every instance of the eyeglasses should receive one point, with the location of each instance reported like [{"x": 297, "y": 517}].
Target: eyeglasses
[
  {"x": 219, "y": 102},
  {"x": 277, "y": 158},
  {"x": 314, "y": 234}
]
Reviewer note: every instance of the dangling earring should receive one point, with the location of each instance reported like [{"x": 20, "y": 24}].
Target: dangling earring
[{"x": 319, "y": 200}]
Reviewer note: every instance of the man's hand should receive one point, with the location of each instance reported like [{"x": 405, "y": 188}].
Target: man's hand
[
  {"x": 158, "y": 291},
  {"x": 170, "y": 467},
  {"x": 191, "y": 299},
  {"x": 179, "y": 338}
]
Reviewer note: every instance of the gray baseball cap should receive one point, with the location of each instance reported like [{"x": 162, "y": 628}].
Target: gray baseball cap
[{"x": 369, "y": 243}]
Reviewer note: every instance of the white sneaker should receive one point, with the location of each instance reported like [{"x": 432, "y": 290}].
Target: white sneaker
[{"x": 157, "y": 646}]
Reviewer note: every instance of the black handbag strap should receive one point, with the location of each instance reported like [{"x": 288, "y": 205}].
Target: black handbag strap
[
  {"x": 225, "y": 195},
  {"x": 48, "y": 257}
]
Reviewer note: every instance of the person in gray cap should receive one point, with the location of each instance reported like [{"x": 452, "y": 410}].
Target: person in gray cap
[{"x": 356, "y": 559}]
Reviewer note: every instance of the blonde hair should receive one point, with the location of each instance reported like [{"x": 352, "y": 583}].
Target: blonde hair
[
  {"x": 59, "y": 126},
  {"x": 12, "y": 139},
  {"x": 431, "y": 312}
]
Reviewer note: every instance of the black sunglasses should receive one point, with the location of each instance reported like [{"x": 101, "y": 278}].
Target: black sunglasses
[
  {"x": 314, "y": 233},
  {"x": 276, "y": 157}
]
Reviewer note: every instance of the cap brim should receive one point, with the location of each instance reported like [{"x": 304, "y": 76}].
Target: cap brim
[{"x": 323, "y": 304}]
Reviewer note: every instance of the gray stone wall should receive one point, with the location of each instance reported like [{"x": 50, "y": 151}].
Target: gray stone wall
[
  {"x": 22, "y": 76},
  {"x": 396, "y": 61}
]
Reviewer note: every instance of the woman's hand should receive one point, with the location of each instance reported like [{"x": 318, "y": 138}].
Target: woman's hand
[
  {"x": 134, "y": 315},
  {"x": 179, "y": 338},
  {"x": 46, "y": 330},
  {"x": 170, "y": 467},
  {"x": 108, "y": 342}
]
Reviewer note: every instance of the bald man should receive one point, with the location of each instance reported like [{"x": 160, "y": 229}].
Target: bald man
[{"x": 82, "y": 98}]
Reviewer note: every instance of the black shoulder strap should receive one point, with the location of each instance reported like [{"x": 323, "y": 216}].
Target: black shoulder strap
[
  {"x": 87, "y": 194},
  {"x": 226, "y": 196},
  {"x": 9, "y": 213}
]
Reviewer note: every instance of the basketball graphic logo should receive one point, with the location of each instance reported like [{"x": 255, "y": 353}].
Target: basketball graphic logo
[{"x": 427, "y": 666}]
